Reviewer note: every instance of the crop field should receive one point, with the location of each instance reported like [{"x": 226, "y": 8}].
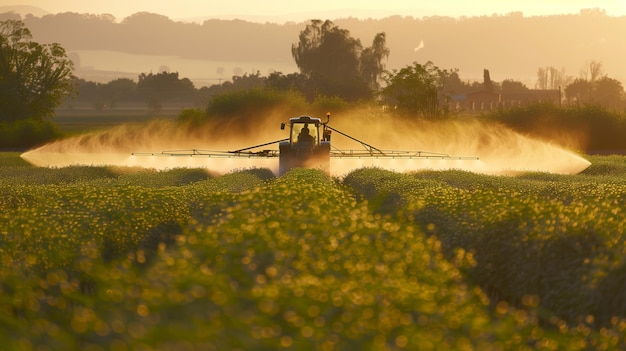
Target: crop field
[{"x": 115, "y": 258}]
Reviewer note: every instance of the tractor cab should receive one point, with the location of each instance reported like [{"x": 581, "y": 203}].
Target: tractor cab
[
  {"x": 308, "y": 145},
  {"x": 305, "y": 132}
]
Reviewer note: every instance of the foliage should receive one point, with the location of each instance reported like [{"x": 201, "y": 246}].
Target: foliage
[
  {"x": 609, "y": 92},
  {"x": 213, "y": 39},
  {"x": 254, "y": 102},
  {"x": 245, "y": 105},
  {"x": 156, "y": 88},
  {"x": 579, "y": 90},
  {"x": 239, "y": 83},
  {"x": 336, "y": 64},
  {"x": 289, "y": 82},
  {"x": 244, "y": 82},
  {"x": 556, "y": 239},
  {"x": 327, "y": 50},
  {"x": 193, "y": 117},
  {"x": 609, "y": 166},
  {"x": 138, "y": 259},
  {"x": 152, "y": 89},
  {"x": 415, "y": 89},
  {"x": 34, "y": 78},
  {"x": 487, "y": 83},
  {"x": 453, "y": 85},
  {"x": 324, "y": 104},
  {"x": 121, "y": 89},
  {"x": 596, "y": 89},
  {"x": 372, "y": 61},
  {"x": 510, "y": 84},
  {"x": 108, "y": 95},
  {"x": 27, "y": 133},
  {"x": 351, "y": 89},
  {"x": 551, "y": 78}
]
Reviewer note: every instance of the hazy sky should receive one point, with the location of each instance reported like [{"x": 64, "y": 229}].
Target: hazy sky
[{"x": 296, "y": 10}]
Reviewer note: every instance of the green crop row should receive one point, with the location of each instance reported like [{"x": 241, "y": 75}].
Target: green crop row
[
  {"x": 559, "y": 238},
  {"x": 97, "y": 258}
]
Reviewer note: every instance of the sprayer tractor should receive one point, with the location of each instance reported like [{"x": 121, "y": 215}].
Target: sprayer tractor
[{"x": 308, "y": 146}]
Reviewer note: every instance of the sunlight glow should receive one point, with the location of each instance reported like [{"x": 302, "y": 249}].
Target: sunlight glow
[{"x": 286, "y": 10}]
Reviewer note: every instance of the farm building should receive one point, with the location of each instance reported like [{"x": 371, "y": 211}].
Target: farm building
[{"x": 486, "y": 101}]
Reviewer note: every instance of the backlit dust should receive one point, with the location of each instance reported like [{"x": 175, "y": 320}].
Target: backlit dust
[{"x": 499, "y": 150}]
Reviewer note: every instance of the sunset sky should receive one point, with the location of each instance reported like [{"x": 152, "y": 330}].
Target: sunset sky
[{"x": 282, "y": 10}]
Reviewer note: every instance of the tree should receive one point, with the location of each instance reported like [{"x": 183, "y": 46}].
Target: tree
[
  {"x": 249, "y": 81},
  {"x": 592, "y": 71},
  {"x": 487, "y": 81},
  {"x": 551, "y": 78},
  {"x": 87, "y": 90},
  {"x": 609, "y": 92},
  {"x": 415, "y": 89},
  {"x": 156, "y": 88},
  {"x": 454, "y": 85},
  {"x": 335, "y": 64},
  {"x": 291, "y": 81},
  {"x": 580, "y": 90},
  {"x": 239, "y": 83},
  {"x": 510, "y": 84},
  {"x": 371, "y": 58},
  {"x": 605, "y": 91},
  {"x": 34, "y": 78},
  {"x": 119, "y": 89}
]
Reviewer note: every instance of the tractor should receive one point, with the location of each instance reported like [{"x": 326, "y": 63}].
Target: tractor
[{"x": 308, "y": 145}]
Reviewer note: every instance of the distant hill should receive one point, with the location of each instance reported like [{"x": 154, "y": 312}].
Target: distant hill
[
  {"x": 24, "y": 10},
  {"x": 510, "y": 46},
  {"x": 295, "y": 16}
]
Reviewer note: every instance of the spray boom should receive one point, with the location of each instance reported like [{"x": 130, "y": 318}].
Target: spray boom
[{"x": 309, "y": 146}]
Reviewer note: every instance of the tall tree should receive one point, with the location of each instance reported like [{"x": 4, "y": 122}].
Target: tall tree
[
  {"x": 335, "y": 63},
  {"x": 415, "y": 89},
  {"x": 605, "y": 91},
  {"x": 156, "y": 88},
  {"x": 550, "y": 78},
  {"x": 34, "y": 78},
  {"x": 327, "y": 50},
  {"x": 487, "y": 81},
  {"x": 608, "y": 92},
  {"x": 118, "y": 90},
  {"x": 543, "y": 77},
  {"x": 592, "y": 71},
  {"x": 454, "y": 85},
  {"x": 372, "y": 58},
  {"x": 580, "y": 90}
]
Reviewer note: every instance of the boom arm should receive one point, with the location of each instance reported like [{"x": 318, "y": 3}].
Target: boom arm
[
  {"x": 253, "y": 147},
  {"x": 367, "y": 146},
  {"x": 369, "y": 152}
]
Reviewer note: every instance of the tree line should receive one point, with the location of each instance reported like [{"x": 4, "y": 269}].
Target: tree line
[
  {"x": 510, "y": 43},
  {"x": 421, "y": 89},
  {"x": 36, "y": 78},
  {"x": 331, "y": 62}
]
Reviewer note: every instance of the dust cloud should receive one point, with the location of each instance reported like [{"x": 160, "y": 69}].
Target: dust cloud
[
  {"x": 496, "y": 150},
  {"x": 117, "y": 146}
]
